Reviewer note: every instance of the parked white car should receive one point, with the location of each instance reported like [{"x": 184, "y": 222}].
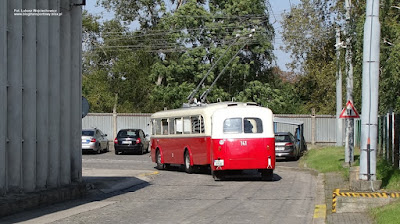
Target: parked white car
[{"x": 94, "y": 140}]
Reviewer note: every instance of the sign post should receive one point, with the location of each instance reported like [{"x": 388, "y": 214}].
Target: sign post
[{"x": 349, "y": 112}]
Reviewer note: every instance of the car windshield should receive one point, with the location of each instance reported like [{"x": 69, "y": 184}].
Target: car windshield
[
  {"x": 87, "y": 133},
  {"x": 127, "y": 134},
  {"x": 282, "y": 138}
]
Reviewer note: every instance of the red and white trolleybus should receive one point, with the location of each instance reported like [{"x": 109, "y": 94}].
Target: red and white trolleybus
[{"x": 225, "y": 136}]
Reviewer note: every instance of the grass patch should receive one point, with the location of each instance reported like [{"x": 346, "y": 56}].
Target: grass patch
[
  {"x": 387, "y": 214},
  {"x": 389, "y": 175},
  {"x": 327, "y": 159},
  {"x": 331, "y": 159}
]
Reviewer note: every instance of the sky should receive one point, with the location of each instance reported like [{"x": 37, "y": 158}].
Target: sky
[{"x": 278, "y": 7}]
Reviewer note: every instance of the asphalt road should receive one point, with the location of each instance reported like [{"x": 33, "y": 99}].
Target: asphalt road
[{"x": 176, "y": 197}]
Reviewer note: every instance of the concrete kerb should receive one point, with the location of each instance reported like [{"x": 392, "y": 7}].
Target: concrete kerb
[
  {"x": 347, "y": 202},
  {"x": 320, "y": 202},
  {"x": 13, "y": 203}
]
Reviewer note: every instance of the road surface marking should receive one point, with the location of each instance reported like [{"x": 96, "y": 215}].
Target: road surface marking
[{"x": 320, "y": 211}]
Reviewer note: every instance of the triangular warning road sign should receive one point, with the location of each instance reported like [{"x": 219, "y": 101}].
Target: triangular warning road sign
[{"x": 349, "y": 111}]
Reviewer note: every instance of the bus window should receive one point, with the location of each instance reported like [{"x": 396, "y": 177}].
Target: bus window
[
  {"x": 253, "y": 125},
  {"x": 186, "y": 125},
  {"x": 201, "y": 124},
  {"x": 158, "y": 126},
  {"x": 153, "y": 127},
  {"x": 172, "y": 127},
  {"x": 233, "y": 125},
  {"x": 195, "y": 125},
  {"x": 164, "y": 123},
  {"x": 178, "y": 126}
]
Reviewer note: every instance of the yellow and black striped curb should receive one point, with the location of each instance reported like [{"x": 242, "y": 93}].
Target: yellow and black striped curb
[{"x": 336, "y": 193}]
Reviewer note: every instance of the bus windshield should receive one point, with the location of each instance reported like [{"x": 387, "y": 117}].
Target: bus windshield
[{"x": 247, "y": 125}]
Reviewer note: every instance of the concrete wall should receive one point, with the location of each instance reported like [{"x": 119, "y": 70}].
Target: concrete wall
[{"x": 40, "y": 94}]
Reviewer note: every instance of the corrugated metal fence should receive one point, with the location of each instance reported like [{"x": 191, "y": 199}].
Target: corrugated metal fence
[{"x": 324, "y": 131}]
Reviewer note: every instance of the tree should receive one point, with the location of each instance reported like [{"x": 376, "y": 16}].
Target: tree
[{"x": 309, "y": 36}]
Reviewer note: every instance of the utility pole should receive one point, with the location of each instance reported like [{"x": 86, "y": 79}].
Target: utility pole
[
  {"x": 339, "y": 126},
  {"x": 370, "y": 86},
  {"x": 349, "y": 146}
]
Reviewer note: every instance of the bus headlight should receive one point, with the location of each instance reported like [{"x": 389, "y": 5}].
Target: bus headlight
[{"x": 221, "y": 142}]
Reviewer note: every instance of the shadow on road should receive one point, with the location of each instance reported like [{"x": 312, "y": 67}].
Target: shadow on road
[{"x": 52, "y": 208}]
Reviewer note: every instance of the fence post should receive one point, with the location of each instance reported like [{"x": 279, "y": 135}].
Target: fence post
[
  {"x": 380, "y": 135},
  {"x": 313, "y": 125},
  {"x": 388, "y": 145},
  {"x": 396, "y": 140},
  {"x": 115, "y": 116}
]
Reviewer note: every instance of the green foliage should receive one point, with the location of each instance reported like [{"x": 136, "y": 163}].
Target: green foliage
[
  {"x": 169, "y": 96},
  {"x": 390, "y": 56},
  {"x": 282, "y": 99}
]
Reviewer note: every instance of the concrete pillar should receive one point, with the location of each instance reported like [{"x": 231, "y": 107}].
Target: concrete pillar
[
  {"x": 65, "y": 89},
  {"x": 3, "y": 95},
  {"x": 14, "y": 97},
  {"x": 54, "y": 97},
  {"x": 42, "y": 108},
  {"x": 76, "y": 93},
  {"x": 370, "y": 92},
  {"x": 29, "y": 99}
]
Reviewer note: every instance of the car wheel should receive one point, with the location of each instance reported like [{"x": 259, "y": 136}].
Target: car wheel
[
  {"x": 188, "y": 168},
  {"x": 99, "y": 149},
  {"x": 160, "y": 166},
  {"x": 267, "y": 175},
  {"x": 116, "y": 152}
]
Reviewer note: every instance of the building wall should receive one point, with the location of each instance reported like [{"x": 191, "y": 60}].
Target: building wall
[{"x": 40, "y": 95}]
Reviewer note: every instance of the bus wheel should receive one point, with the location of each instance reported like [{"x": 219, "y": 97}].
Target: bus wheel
[
  {"x": 267, "y": 175},
  {"x": 217, "y": 175},
  {"x": 188, "y": 167},
  {"x": 160, "y": 166}
]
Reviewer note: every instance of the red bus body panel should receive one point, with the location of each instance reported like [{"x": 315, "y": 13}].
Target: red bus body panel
[
  {"x": 244, "y": 153},
  {"x": 173, "y": 149},
  {"x": 238, "y": 154}
]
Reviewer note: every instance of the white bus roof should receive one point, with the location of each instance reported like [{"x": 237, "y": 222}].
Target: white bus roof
[{"x": 207, "y": 109}]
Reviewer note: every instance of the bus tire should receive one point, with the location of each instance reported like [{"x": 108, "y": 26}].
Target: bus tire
[
  {"x": 159, "y": 166},
  {"x": 188, "y": 168},
  {"x": 267, "y": 175},
  {"x": 217, "y": 175}
]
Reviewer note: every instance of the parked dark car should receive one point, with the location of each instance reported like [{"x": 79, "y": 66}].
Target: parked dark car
[
  {"x": 94, "y": 140},
  {"x": 131, "y": 140},
  {"x": 286, "y": 146}
]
